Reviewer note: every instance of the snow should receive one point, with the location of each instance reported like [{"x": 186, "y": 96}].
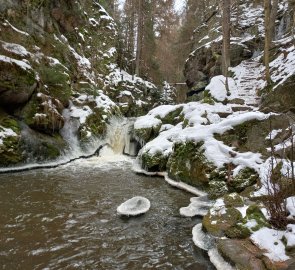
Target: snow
[
  {"x": 217, "y": 88},
  {"x": 81, "y": 36},
  {"x": 81, "y": 113},
  {"x": 200, "y": 130},
  {"x": 198, "y": 206},
  {"x": 147, "y": 121},
  {"x": 242, "y": 210},
  {"x": 53, "y": 62},
  {"x": 283, "y": 67},
  {"x": 134, "y": 206},
  {"x": 117, "y": 76},
  {"x": 264, "y": 175},
  {"x": 273, "y": 134},
  {"x": 163, "y": 110},
  {"x": 15, "y": 48},
  {"x": 184, "y": 186},
  {"x": 290, "y": 204},
  {"x": 270, "y": 240},
  {"x": 201, "y": 239},
  {"x": 16, "y": 29},
  {"x": 103, "y": 101},
  {"x": 20, "y": 63},
  {"x": 93, "y": 22},
  {"x": 164, "y": 142},
  {"x": 248, "y": 78},
  {"x": 290, "y": 236},
  {"x": 218, "y": 261},
  {"x": 81, "y": 110},
  {"x": 6, "y": 132}
]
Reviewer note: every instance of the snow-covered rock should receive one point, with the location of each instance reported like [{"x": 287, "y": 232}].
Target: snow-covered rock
[{"x": 135, "y": 206}]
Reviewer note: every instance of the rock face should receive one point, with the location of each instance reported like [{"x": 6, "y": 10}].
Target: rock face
[
  {"x": 49, "y": 50},
  {"x": 57, "y": 66},
  {"x": 247, "y": 39},
  {"x": 282, "y": 99},
  {"x": 205, "y": 60},
  {"x": 188, "y": 164},
  {"x": 251, "y": 136},
  {"x": 242, "y": 254}
]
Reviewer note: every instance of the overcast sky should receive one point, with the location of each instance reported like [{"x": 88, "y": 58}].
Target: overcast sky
[{"x": 178, "y": 4}]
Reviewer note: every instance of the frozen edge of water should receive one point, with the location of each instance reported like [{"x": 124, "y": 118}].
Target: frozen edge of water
[
  {"x": 218, "y": 261},
  {"x": 181, "y": 185},
  {"x": 215, "y": 257}
]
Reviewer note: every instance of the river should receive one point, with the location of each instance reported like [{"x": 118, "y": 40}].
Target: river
[{"x": 65, "y": 218}]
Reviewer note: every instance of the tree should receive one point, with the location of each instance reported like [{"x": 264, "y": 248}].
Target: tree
[
  {"x": 267, "y": 42},
  {"x": 226, "y": 7},
  {"x": 292, "y": 13},
  {"x": 139, "y": 38},
  {"x": 166, "y": 29}
]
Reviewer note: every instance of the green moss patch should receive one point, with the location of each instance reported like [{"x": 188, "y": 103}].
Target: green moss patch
[{"x": 188, "y": 164}]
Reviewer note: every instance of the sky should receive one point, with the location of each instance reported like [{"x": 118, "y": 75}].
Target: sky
[{"x": 178, "y": 4}]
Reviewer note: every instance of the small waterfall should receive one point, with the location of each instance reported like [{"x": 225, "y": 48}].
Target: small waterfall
[
  {"x": 120, "y": 136},
  {"x": 70, "y": 132},
  {"x": 282, "y": 27}
]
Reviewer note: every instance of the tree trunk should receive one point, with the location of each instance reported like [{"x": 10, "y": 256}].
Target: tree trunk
[
  {"x": 226, "y": 39},
  {"x": 139, "y": 37},
  {"x": 267, "y": 42}
]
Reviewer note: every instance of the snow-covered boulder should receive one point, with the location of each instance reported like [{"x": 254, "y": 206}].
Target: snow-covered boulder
[{"x": 135, "y": 206}]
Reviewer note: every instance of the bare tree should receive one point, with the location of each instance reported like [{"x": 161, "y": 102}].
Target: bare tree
[
  {"x": 267, "y": 42},
  {"x": 226, "y": 8}
]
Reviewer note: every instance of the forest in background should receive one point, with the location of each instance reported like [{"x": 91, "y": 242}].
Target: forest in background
[{"x": 165, "y": 36}]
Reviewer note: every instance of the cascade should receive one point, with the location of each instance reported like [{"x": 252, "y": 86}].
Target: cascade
[
  {"x": 282, "y": 28},
  {"x": 69, "y": 132},
  {"x": 119, "y": 139},
  {"x": 120, "y": 136}
]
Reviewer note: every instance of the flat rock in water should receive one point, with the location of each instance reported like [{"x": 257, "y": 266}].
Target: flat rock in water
[{"x": 134, "y": 206}]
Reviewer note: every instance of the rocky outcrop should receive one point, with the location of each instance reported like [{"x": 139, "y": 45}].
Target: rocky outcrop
[
  {"x": 58, "y": 66},
  {"x": 205, "y": 60},
  {"x": 252, "y": 135},
  {"x": 188, "y": 164},
  {"x": 281, "y": 99}
]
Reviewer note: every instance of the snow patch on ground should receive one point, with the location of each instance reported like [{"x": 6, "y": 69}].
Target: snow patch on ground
[
  {"x": 15, "y": 48},
  {"x": 147, "y": 121},
  {"x": 20, "y": 63},
  {"x": 271, "y": 241}
]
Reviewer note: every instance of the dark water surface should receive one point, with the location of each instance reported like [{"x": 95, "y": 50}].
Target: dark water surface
[{"x": 65, "y": 218}]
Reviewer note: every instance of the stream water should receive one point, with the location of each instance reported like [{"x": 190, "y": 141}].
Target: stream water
[{"x": 65, "y": 218}]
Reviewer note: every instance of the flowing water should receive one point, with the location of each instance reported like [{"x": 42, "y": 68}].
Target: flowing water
[{"x": 65, "y": 218}]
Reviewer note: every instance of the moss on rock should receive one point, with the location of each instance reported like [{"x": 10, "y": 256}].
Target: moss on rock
[
  {"x": 188, "y": 164},
  {"x": 148, "y": 134},
  {"x": 173, "y": 117},
  {"x": 245, "y": 178},
  {"x": 233, "y": 200},
  {"x": 217, "y": 189},
  {"x": 10, "y": 152},
  {"x": 154, "y": 163},
  {"x": 217, "y": 223}
]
